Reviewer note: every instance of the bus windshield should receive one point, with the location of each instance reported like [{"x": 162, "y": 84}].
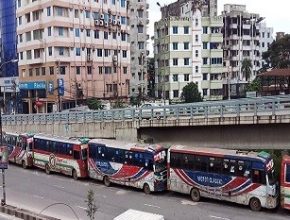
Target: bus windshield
[
  {"x": 84, "y": 154},
  {"x": 160, "y": 162}
]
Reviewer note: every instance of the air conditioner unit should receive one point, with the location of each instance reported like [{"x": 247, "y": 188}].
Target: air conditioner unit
[
  {"x": 102, "y": 16},
  {"x": 97, "y": 22},
  {"x": 115, "y": 58},
  {"x": 106, "y": 24},
  {"x": 119, "y": 23},
  {"x": 115, "y": 22},
  {"x": 101, "y": 23}
]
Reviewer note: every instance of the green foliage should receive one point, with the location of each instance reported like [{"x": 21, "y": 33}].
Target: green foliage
[
  {"x": 254, "y": 86},
  {"x": 91, "y": 204},
  {"x": 278, "y": 54},
  {"x": 190, "y": 93},
  {"x": 246, "y": 68},
  {"x": 94, "y": 104},
  {"x": 119, "y": 103},
  {"x": 135, "y": 100}
]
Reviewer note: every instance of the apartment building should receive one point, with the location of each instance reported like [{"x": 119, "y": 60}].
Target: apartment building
[
  {"x": 266, "y": 39},
  {"x": 188, "y": 48},
  {"x": 71, "y": 50},
  {"x": 138, "y": 13},
  {"x": 241, "y": 40}
]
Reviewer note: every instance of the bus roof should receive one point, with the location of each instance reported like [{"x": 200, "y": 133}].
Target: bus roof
[
  {"x": 58, "y": 138},
  {"x": 11, "y": 133},
  {"x": 221, "y": 152},
  {"x": 125, "y": 145}
]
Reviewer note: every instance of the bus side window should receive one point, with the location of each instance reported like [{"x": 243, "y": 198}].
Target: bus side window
[
  {"x": 287, "y": 174},
  {"x": 215, "y": 165},
  {"x": 77, "y": 155},
  {"x": 201, "y": 163},
  {"x": 258, "y": 176}
]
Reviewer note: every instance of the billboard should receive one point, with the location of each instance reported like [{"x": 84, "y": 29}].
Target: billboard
[
  {"x": 3, "y": 157},
  {"x": 60, "y": 83}
]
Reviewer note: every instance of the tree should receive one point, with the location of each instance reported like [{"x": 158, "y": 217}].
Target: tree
[
  {"x": 119, "y": 103},
  {"x": 91, "y": 203},
  {"x": 247, "y": 69},
  {"x": 94, "y": 104},
  {"x": 278, "y": 54},
  {"x": 190, "y": 93},
  {"x": 254, "y": 86}
]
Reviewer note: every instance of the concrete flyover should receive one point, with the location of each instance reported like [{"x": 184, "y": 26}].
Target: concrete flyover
[{"x": 244, "y": 123}]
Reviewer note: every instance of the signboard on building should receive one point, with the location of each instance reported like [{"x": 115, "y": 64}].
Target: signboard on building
[
  {"x": 60, "y": 83},
  {"x": 3, "y": 157},
  {"x": 32, "y": 85},
  {"x": 50, "y": 87}
]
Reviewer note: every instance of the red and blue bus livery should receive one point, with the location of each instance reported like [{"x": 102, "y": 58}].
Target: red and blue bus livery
[
  {"x": 244, "y": 178},
  {"x": 285, "y": 182},
  {"x": 135, "y": 165}
]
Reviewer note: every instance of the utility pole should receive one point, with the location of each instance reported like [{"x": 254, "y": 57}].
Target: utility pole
[{"x": 3, "y": 201}]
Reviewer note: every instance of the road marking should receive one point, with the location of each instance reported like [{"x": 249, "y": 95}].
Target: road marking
[
  {"x": 61, "y": 187},
  {"x": 38, "y": 197},
  {"x": 187, "y": 202},
  {"x": 217, "y": 217},
  {"x": 80, "y": 207},
  {"x": 154, "y": 206}
]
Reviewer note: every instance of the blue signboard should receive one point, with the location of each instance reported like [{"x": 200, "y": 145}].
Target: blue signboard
[
  {"x": 50, "y": 87},
  {"x": 60, "y": 83},
  {"x": 32, "y": 85}
]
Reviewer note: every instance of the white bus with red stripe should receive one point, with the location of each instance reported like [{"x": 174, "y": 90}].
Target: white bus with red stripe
[
  {"x": 19, "y": 148},
  {"x": 240, "y": 177},
  {"x": 60, "y": 154},
  {"x": 285, "y": 183},
  {"x": 137, "y": 165}
]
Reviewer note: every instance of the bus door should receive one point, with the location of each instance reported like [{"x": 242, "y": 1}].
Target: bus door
[
  {"x": 80, "y": 155},
  {"x": 285, "y": 183}
]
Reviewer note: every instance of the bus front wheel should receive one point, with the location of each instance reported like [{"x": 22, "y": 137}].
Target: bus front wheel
[
  {"x": 107, "y": 181},
  {"x": 47, "y": 170},
  {"x": 195, "y": 195},
  {"x": 146, "y": 189},
  {"x": 74, "y": 175},
  {"x": 255, "y": 204}
]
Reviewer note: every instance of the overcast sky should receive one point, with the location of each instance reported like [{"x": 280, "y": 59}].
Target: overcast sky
[{"x": 277, "y": 12}]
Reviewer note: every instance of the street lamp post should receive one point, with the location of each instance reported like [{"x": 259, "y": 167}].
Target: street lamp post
[{"x": 3, "y": 201}]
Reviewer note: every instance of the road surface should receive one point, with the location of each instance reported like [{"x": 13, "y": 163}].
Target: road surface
[{"x": 34, "y": 190}]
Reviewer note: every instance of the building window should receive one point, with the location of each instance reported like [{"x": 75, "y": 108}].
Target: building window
[
  {"x": 61, "y": 51},
  {"x": 96, "y": 34},
  {"x": 204, "y": 92},
  {"x": 217, "y": 60},
  {"x": 28, "y": 55},
  {"x": 77, "y": 32},
  {"x": 99, "y": 52},
  {"x": 196, "y": 53},
  {"x": 19, "y": 3},
  {"x": 140, "y": 29},
  {"x": 204, "y": 30},
  {"x": 123, "y": 3},
  {"x": 36, "y": 53},
  {"x": 87, "y": 14},
  {"x": 78, "y": 51},
  {"x": 20, "y": 38},
  {"x": 175, "y": 45},
  {"x": 37, "y": 71},
  {"x": 28, "y": 36},
  {"x": 48, "y": 13},
  {"x": 204, "y": 76},
  {"x": 106, "y": 36},
  {"x": 186, "y": 45},
  {"x": 175, "y": 94},
  {"x": 186, "y": 61},
  {"x": 49, "y": 31},
  {"x": 175, "y": 30},
  {"x": 49, "y": 51},
  {"x": 186, "y": 77},
  {"x": 204, "y": 45},
  {"x": 51, "y": 70},
  {"x": 204, "y": 61},
  {"x": 268, "y": 35},
  {"x": 89, "y": 70},
  {"x": 186, "y": 29},
  {"x": 124, "y": 53},
  {"x": 107, "y": 52},
  {"x": 175, "y": 77},
  {"x": 100, "y": 70},
  {"x": 108, "y": 70},
  {"x": 123, "y": 36},
  {"x": 77, "y": 13},
  {"x": 125, "y": 70},
  {"x": 141, "y": 45},
  {"x": 88, "y": 31},
  {"x": 78, "y": 70},
  {"x": 19, "y": 20},
  {"x": 175, "y": 61},
  {"x": 43, "y": 71},
  {"x": 62, "y": 70},
  {"x": 60, "y": 31},
  {"x": 30, "y": 72},
  {"x": 114, "y": 35},
  {"x": 21, "y": 55}
]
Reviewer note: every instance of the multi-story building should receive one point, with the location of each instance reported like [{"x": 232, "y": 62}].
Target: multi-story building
[
  {"x": 241, "y": 40},
  {"x": 71, "y": 50},
  {"x": 266, "y": 39},
  {"x": 138, "y": 12},
  {"x": 188, "y": 48},
  {"x": 8, "y": 58}
]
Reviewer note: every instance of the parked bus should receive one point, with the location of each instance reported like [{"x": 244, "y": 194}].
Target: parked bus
[
  {"x": 135, "y": 165},
  {"x": 285, "y": 183},
  {"x": 60, "y": 154},
  {"x": 241, "y": 177},
  {"x": 10, "y": 139},
  {"x": 24, "y": 144}
]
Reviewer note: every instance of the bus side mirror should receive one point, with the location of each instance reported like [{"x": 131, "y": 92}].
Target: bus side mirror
[{"x": 154, "y": 168}]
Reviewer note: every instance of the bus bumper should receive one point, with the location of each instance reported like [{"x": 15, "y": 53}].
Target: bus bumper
[{"x": 271, "y": 202}]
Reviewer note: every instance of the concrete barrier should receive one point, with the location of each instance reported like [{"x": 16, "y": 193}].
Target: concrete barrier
[{"x": 24, "y": 214}]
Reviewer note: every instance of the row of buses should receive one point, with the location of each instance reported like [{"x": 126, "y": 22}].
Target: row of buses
[{"x": 236, "y": 176}]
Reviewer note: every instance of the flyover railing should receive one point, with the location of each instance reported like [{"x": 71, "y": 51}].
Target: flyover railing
[{"x": 271, "y": 105}]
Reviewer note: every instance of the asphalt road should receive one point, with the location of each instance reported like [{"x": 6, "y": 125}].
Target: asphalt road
[{"x": 34, "y": 190}]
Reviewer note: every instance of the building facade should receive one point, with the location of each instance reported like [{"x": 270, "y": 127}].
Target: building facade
[
  {"x": 138, "y": 12},
  {"x": 266, "y": 39},
  {"x": 72, "y": 50},
  {"x": 188, "y": 48}
]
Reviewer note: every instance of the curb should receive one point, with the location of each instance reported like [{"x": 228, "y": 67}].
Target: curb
[{"x": 24, "y": 214}]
